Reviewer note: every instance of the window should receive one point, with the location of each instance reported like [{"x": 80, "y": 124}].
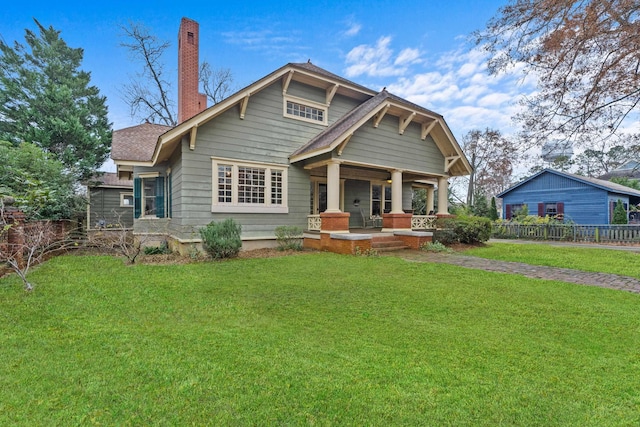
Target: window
[
  {"x": 126, "y": 200},
  {"x": 550, "y": 209},
  {"x": 305, "y": 110},
  {"x": 380, "y": 199},
  {"x": 148, "y": 195},
  {"x": 249, "y": 187},
  {"x": 515, "y": 209}
]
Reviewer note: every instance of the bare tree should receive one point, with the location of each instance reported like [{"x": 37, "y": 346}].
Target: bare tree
[
  {"x": 24, "y": 244},
  {"x": 586, "y": 55},
  {"x": 492, "y": 157},
  {"x": 148, "y": 93},
  {"x": 215, "y": 82}
]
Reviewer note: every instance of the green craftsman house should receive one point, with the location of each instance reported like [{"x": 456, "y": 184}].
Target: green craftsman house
[{"x": 301, "y": 146}]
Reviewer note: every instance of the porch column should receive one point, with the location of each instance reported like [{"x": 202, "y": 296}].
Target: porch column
[
  {"x": 333, "y": 187},
  {"x": 443, "y": 196},
  {"x": 396, "y": 192},
  {"x": 430, "y": 194}
]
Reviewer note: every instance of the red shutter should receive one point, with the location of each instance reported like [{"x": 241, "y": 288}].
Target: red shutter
[
  {"x": 541, "y": 209},
  {"x": 507, "y": 210},
  {"x": 560, "y": 211}
]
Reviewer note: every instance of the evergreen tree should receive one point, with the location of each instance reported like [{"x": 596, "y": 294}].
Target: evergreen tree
[
  {"x": 493, "y": 210},
  {"x": 619, "y": 213},
  {"x": 46, "y": 99},
  {"x": 41, "y": 186},
  {"x": 480, "y": 206}
]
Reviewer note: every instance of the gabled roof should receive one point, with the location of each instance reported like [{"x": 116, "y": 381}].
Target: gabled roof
[
  {"x": 308, "y": 73},
  {"x": 324, "y": 140},
  {"x": 594, "y": 182},
  {"x": 136, "y": 143}
]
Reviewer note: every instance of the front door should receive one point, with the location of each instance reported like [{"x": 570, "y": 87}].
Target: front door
[
  {"x": 318, "y": 193},
  {"x": 322, "y": 197}
]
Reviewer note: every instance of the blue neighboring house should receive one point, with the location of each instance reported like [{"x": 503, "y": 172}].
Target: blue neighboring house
[{"x": 580, "y": 199}]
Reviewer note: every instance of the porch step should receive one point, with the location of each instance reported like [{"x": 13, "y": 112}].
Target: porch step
[{"x": 387, "y": 244}]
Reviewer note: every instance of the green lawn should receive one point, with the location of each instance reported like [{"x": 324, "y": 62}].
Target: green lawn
[
  {"x": 579, "y": 258},
  {"x": 315, "y": 339}
]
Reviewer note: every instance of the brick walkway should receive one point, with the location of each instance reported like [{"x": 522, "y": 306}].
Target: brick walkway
[{"x": 603, "y": 280}]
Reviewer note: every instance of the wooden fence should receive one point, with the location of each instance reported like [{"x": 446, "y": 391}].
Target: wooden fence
[{"x": 603, "y": 233}]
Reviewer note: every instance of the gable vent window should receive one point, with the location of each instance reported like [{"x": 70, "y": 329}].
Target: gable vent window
[{"x": 305, "y": 110}]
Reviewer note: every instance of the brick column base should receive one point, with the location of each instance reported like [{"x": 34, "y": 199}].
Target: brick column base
[
  {"x": 337, "y": 222},
  {"x": 399, "y": 221},
  {"x": 345, "y": 243},
  {"x": 414, "y": 239}
]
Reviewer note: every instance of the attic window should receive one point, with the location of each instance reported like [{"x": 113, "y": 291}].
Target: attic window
[
  {"x": 190, "y": 38},
  {"x": 305, "y": 110}
]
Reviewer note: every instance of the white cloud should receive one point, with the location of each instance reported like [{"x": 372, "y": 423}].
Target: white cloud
[
  {"x": 354, "y": 29},
  {"x": 377, "y": 60},
  {"x": 408, "y": 56},
  {"x": 494, "y": 100},
  {"x": 458, "y": 87}
]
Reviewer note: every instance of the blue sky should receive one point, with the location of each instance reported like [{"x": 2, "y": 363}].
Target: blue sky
[{"x": 415, "y": 49}]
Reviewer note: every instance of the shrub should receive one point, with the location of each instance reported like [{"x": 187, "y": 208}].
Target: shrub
[
  {"x": 289, "y": 237},
  {"x": 444, "y": 235},
  {"x": 221, "y": 239},
  {"x": 435, "y": 246},
  {"x": 472, "y": 229},
  {"x": 163, "y": 249},
  {"x": 619, "y": 214},
  {"x": 464, "y": 229},
  {"x": 366, "y": 253}
]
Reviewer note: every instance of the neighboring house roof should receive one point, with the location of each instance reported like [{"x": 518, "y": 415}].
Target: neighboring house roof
[
  {"x": 136, "y": 143},
  {"x": 628, "y": 170},
  {"x": 110, "y": 179},
  {"x": 166, "y": 140},
  {"x": 598, "y": 183}
]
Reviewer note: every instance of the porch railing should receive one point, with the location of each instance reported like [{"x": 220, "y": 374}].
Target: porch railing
[
  {"x": 423, "y": 222},
  {"x": 314, "y": 222},
  {"x": 569, "y": 232}
]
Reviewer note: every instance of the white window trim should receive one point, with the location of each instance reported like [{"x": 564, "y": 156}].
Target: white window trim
[
  {"x": 234, "y": 206},
  {"x": 143, "y": 176},
  {"x": 122, "y": 196},
  {"x": 308, "y": 103}
]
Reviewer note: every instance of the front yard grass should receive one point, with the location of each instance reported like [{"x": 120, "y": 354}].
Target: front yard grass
[
  {"x": 317, "y": 339},
  {"x": 579, "y": 258}
]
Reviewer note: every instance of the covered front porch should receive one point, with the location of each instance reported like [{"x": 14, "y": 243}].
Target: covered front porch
[{"x": 353, "y": 205}]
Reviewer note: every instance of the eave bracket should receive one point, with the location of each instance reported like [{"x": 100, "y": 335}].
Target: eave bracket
[
  {"x": 404, "y": 122},
  {"x": 449, "y": 161}
]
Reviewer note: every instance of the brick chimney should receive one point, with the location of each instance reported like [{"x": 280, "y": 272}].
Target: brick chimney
[{"x": 190, "y": 101}]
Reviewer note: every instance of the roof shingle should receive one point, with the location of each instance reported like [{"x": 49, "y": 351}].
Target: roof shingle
[{"x": 136, "y": 143}]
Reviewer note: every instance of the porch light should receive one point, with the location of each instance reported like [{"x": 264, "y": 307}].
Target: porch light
[
  {"x": 389, "y": 181},
  {"x": 356, "y": 202}
]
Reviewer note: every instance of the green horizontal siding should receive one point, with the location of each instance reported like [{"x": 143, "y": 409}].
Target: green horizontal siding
[{"x": 386, "y": 147}]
